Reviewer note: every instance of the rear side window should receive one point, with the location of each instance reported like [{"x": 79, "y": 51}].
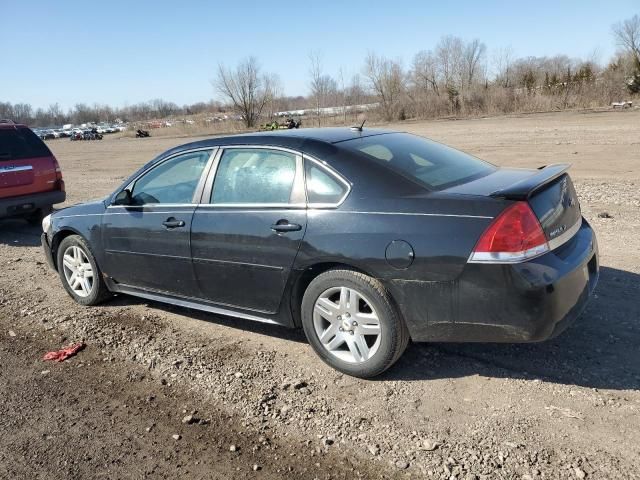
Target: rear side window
[
  {"x": 254, "y": 175},
  {"x": 430, "y": 163},
  {"x": 322, "y": 187},
  {"x": 19, "y": 143}
]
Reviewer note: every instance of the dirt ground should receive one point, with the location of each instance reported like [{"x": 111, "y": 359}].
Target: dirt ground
[{"x": 568, "y": 408}]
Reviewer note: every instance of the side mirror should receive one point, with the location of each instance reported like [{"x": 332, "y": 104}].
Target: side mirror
[{"x": 123, "y": 198}]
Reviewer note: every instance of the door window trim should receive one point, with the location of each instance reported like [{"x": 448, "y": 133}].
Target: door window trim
[
  {"x": 298, "y": 192},
  {"x": 325, "y": 167},
  {"x": 197, "y": 194}
]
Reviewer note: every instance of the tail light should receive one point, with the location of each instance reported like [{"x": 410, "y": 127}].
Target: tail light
[
  {"x": 514, "y": 236},
  {"x": 59, "y": 180}
]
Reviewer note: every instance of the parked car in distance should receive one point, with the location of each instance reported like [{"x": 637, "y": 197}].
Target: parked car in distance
[
  {"x": 30, "y": 177},
  {"x": 364, "y": 238},
  {"x": 48, "y": 134}
]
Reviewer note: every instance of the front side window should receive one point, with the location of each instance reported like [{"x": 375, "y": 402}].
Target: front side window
[
  {"x": 430, "y": 163},
  {"x": 174, "y": 181},
  {"x": 254, "y": 175},
  {"x": 322, "y": 187}
]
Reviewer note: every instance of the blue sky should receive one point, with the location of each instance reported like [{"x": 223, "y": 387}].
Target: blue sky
[{"x": 123, "y": 52}]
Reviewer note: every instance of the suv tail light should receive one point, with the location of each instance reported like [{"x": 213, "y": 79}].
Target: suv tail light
[
  {"x": 514, "y": 236},
  {"x": 59, "y": 180}
]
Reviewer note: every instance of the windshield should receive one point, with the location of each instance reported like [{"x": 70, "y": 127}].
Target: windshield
[{"x": 430, "y": 163}]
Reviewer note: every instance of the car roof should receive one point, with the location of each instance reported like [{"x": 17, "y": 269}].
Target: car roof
[
  {"x": 11, "y": 125},
  {"x": 306, "y": 139},
  {"x": 328, "y": 134}
]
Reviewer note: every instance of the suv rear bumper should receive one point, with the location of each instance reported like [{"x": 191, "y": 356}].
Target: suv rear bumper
[{"x": 26, "y": 204}]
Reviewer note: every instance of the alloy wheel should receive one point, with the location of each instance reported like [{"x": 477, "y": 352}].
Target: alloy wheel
[
  {"x": 346, "y": 324},
  {"x": 78, "y": 271}
]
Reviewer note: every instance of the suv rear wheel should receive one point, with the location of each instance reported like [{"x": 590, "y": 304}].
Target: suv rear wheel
[
  {"x": 36, "y": 217},
  {"x": 351, "y": 323}
]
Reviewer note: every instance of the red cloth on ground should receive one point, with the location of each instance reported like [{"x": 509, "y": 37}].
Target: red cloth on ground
[{"x": 62, "y": 355}]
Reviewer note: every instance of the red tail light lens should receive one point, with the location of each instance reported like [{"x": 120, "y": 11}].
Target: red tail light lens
[
  {"x": 514, "y": 236},
  {"x": 59, "y": 180}
]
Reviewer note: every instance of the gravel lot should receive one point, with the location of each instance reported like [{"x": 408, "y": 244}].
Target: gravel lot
[{"x": 161, "y": 391}]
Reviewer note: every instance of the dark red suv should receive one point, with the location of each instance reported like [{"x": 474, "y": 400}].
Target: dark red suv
[{"x": 30, "y": 177}]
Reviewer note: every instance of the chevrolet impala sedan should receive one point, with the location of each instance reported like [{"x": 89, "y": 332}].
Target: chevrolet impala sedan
[{"x": 364, "y": 238}]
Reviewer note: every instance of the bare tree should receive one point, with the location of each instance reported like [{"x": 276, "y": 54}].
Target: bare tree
[
  {"x": 246, "y": 89},
  {"x": 387, "y": 80},
  {"x": 472, "y": 55},
  {"x": 503, "y": 65},
  {"x": 449, "y": 53},
  {"x": 424, "y": 73},
  {"x": 319, "y": 82},
  {"x": 627, "y": 35}
]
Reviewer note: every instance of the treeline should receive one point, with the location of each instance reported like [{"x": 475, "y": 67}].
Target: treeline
[
  {"x": 83, "y": 113},
  {"x": 455, "y": 77}
]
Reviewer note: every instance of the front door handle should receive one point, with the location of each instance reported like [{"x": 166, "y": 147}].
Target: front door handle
[
  {"x": 285, "y": 226},
  {"x": 173, "y": 223}
]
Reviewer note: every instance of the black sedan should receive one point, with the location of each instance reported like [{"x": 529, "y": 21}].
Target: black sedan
[{"x": 364, "y": 238}]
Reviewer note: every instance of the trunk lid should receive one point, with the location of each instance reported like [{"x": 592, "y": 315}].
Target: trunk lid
[{"x": 549, "y": 191}]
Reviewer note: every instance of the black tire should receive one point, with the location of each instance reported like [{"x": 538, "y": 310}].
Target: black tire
[
  {"x": 99, "y": 291},
  {"x": 36, "y": 217},
  {"x": 394, "y": 336}
]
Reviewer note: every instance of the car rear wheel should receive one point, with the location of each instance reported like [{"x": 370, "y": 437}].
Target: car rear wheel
[
  {"x": 352, "y": 324},
  {"x": 79, "y": 272}
]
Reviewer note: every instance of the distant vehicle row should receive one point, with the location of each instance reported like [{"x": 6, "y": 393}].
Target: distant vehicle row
[{"x": 51, "y": 133}]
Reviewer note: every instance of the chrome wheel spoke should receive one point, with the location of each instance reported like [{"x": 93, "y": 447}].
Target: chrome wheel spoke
[
  {"x": 329, "y": 333},
  {"x": 327, "y": 308},
  {"x": 69, "y": 262},
  {"x": 335, "y": 343}
]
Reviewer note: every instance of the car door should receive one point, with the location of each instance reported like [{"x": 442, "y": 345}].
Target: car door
[
  {"x": 146, "y": 241},
  {"x": 246, "y": 232}
]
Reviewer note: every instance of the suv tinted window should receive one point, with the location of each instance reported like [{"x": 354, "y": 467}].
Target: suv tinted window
[
  {"x": 19, "y": 143},
  {"x": 322, "y": 187},
  {"x": 173, "y": 181},
  {"x": 430, "y": 163},
  {"x": 254, "y": 175}
]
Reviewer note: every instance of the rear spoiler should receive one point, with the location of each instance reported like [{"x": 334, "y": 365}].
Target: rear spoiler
[{"x": 523, "y": 189}]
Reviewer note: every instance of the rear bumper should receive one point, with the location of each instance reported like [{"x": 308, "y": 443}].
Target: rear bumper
[
  {"x": 526, "y": 302},
  {"x": 26, "y": 204}
]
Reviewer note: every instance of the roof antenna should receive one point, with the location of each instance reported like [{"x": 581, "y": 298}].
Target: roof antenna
[{"x": 358, "y": 128}]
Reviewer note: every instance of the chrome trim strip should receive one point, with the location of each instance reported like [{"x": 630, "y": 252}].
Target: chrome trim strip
[
  {"x": 22, "y": 168},
  {"x": 190, "y": 304},
  {"x": 414, "y": 214},
  {"x": 250, "y": 205},
  {"x": 566, "y": 236},
  {"x": 154, "y": 205},
  {"x": 508, "y": 257}
]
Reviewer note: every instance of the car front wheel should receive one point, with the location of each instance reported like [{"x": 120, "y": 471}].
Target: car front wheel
[
  {"x": 352, "y": 324},
  {"x": 79, "y": 272}
]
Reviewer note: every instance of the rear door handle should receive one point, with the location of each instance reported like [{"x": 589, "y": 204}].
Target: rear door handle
[
  {"x": 285, "y": 226},
  {"x": 173, "y": 223}
]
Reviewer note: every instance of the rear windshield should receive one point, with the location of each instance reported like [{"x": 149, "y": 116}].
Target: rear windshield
[
  {"x": 19, "y": 143},
  {"x": 429, "y": 163}
]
